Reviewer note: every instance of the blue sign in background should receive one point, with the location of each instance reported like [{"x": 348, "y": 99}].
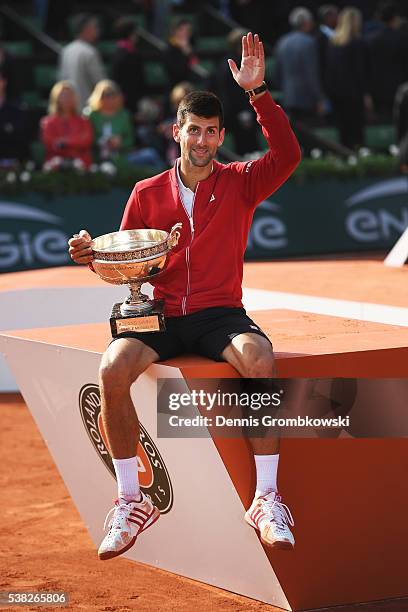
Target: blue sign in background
[{"x": 319, "y": 217}]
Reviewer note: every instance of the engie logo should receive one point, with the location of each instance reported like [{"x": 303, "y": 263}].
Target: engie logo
[
  {"x": 153, "y": 476},
  {"x": 267, "y": 230},
  {"x": 23, "y": 248},
  {"x": 383, "y": 223}
]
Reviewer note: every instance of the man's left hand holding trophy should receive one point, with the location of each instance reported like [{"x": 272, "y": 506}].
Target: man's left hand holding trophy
[
  {"x": 80, "y": 249},
  {"x": 130, "y": 257}
]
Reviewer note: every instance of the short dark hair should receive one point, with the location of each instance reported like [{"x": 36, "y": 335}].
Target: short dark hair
[
  {"x": 200, "y": 103},
  {"x": 326, "y": 10},
  {"x": 80, "y": 21},
  {"x": 125, "y": 27},
  {"x": 177, "y": 23}
]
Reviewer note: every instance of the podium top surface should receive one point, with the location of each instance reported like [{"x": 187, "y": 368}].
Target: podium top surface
[
  {"x": 295, "y": 336},
  {"x": 368, "y": 348},
  {"x": 297, "y": 333}
]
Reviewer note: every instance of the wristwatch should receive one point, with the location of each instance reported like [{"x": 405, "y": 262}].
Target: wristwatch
[{"x": 253, "y": 92}]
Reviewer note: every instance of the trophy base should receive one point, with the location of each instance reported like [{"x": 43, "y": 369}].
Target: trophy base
[
  {"x": 128, "y": 310},
  {"x": 153, "y": 321}
]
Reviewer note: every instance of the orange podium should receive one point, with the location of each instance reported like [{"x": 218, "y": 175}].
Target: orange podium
[{"x": 347, "y": 495}]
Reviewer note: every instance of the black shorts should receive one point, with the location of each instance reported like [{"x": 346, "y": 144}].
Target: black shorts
[{"x": 205, "y": 332}]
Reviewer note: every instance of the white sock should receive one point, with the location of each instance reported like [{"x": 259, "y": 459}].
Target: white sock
[
  {"x": 266, "y": 473},
  {"x": 127, "y": 476}
]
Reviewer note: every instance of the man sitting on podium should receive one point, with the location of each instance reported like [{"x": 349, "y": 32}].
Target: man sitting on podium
[{"x": 201, "y": 288}]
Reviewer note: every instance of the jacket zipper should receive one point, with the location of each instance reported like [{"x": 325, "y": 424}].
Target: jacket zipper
[{"x": 190, "y": 218}]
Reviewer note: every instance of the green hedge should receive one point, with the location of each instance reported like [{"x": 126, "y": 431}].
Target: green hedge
[
  {"x": 376, "y": 166},
  {"x": 72, "y": 182}
]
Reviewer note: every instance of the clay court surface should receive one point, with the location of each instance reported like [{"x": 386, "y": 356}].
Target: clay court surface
[
  {"x": 366, "y": 280},
  {"x": 45, "y": 545}
]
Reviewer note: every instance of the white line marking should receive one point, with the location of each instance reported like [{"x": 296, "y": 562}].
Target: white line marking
[
  {"x": 260, "y": 299},
  {"x": 399, "y": 252}
]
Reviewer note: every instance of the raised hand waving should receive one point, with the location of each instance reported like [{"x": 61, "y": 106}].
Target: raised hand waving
[{"x": 252, "y": 71}]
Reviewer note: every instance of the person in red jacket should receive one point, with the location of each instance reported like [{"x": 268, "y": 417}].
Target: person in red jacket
[
  {"x": 201, "y": 288},
  {"x": 65, "y": 134}
]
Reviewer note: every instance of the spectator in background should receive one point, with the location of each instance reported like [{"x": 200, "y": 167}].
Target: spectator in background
[
  {"x": 10, "y": 72},
  {"x": 388, "y": 51},
  {"x": 13, "y": 132},
  {"x": 127, "y": 67},
  {"x": 114, "y": 129},
  {"x": 401, "y": 124},
  {"x": 240, "y": 121},
  {"x": 172, "y": 148},
  {"x": 180, "y": 58},
  {"x": 64, "y": 132},
  {"x": 149, "y": 140},
  {"x": 328, "y": 15},
  {"x": 297, "y": 68},
  {"x": 401, "y": 112},
  {"x": 111, "y": 122},
  {"x": 80, "y": 61},
  {"x": 161, "y": 11},
  {"x": 346, "y": 78}
]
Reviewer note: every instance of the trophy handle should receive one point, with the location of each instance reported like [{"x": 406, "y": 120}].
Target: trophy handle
[{"x": 174, "y": 236}]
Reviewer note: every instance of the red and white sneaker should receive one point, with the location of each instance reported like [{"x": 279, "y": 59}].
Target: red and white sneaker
[
  {"x": 128, "y": 521},
  {"x": 272, "y": 518}
]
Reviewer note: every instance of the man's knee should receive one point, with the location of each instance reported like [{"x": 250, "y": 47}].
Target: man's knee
[
  {"x": 117, "y": 371},
  {"x": 262, "y": 365}
]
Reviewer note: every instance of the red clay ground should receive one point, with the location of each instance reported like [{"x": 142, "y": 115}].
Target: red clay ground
[
  {"x": 360, "y": 280},
  {"x": 45, "y": 545},
  {"x": 364, "y": 279}
]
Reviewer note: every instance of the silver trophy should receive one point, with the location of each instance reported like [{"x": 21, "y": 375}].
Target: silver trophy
[{"x": 133, "y": 257}]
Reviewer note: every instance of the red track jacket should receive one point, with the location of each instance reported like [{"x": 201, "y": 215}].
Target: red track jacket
[{"x": 206, "y": 267}]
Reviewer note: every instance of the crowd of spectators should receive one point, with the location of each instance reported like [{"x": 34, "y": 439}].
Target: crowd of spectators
[{"x": 337, "y": 69}]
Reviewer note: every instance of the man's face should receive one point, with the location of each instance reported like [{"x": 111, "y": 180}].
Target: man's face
[
  {"x": 332, "y": 19},
  {"x": 184, "y": 31},
  {"x": 308, "y": 25},
  {"x": 92, "y": 30},
  {"x": 199, "y": 139}
]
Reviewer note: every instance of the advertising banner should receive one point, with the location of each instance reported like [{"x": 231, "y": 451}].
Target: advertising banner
[
  {"x": 330, "y": 217},
  {"x": 35, "y": 229},
  {"x": 316, "y": 218}
]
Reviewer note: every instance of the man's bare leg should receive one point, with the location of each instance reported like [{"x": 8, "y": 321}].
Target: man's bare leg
[
  {"x": 252, "y": 355},
  {"x": 122, "y": 363}
]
